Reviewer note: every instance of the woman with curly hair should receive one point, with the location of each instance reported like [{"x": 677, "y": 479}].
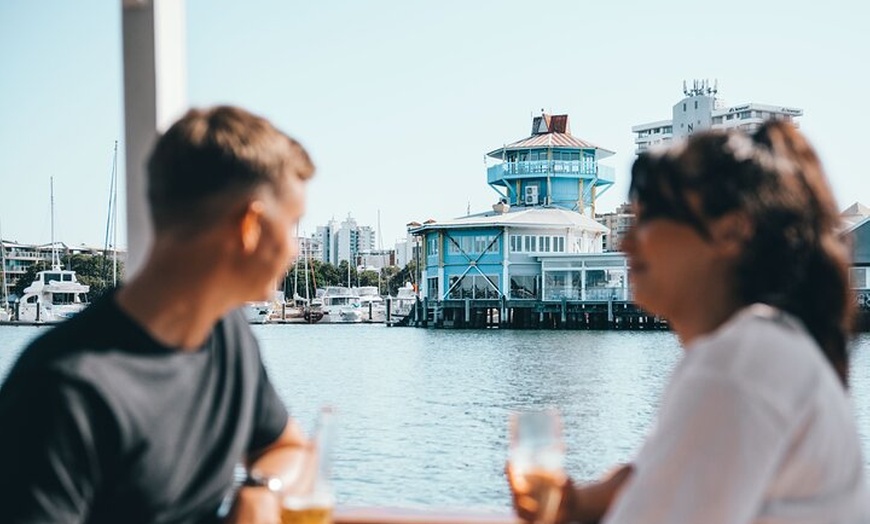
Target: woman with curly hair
[{"x": 736, "y": 243}]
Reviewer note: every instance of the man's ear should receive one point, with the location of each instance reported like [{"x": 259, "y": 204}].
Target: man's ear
[
  {"x": 251, "y": 227},
  {"x": 732, "y": 231}
]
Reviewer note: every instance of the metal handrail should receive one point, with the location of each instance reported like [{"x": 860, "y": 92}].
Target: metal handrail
[
  {"x": 403, "y": 516},
  {"x": 586, "y": 168}
]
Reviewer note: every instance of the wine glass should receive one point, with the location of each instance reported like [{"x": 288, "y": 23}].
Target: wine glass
[
  {"x": 537, "y": 456},
  {"x": 310, "y": 500}
]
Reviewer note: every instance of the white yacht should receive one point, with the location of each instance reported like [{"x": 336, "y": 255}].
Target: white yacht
[
  {"x": 55, "y": 295},
  {"x": 374, "y": 309},
  {"x": 341, "y": 304},
  {"x": 402, "y": 304}
]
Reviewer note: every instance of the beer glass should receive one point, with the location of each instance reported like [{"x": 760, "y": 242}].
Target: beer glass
[
  {"x": 311, "y": 500},
  {"x": 537, "y": 456}
]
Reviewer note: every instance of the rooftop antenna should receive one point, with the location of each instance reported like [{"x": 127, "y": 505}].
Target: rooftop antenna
[
  {"x": 468, "y": 209},
  {"x": 685, "y": 89}
]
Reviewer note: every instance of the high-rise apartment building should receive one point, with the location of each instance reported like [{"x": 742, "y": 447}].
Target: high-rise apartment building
[
  {"x": 345, "y": 241},
  {"x": 618, "y": 223},
  {"x": 703, "y": 109}
]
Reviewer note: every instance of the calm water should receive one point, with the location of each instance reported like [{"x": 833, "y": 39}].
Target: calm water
[{"x": 423, "y": 413}]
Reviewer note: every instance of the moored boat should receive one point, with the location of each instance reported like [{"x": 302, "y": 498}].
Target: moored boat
[
  {"x": 373, "y": 307},
  {"x": 341, "y": 305},
  {"x": 54, "y": 296},
  {"x": 258, "y": 312},
  {"x": 404, "y": 301}
]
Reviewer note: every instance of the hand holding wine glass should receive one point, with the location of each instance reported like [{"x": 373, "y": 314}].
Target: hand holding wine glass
[{"x": 535, "y": 465}]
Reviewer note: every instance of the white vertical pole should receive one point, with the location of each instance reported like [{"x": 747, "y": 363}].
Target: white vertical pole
[
  {"x": 155, "y": 94},
  {"x": 505, "y": 262}
]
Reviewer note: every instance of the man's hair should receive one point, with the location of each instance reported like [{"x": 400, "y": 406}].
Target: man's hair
[{"x": 213, "y": 155}]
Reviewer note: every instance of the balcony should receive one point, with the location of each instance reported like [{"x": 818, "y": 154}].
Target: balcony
[{"x": 586, "y": 169}]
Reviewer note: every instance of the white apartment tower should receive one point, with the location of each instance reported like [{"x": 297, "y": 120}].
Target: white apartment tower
[
  {"x": 328, "y": 237},
  {"x": 702, "y": 109},
  {"x": 345, "y": 241}
]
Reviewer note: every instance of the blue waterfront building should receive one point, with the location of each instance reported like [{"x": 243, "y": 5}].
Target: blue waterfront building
[
  {"x": 540, "y": 242},
  {"x": 550, "y": 168}
]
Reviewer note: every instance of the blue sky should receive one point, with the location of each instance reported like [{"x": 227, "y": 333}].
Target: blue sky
[{"x": 398, "y": 101}]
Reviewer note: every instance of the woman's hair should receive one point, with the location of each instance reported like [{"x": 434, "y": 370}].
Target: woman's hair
[{"x": 795, "y": 258}]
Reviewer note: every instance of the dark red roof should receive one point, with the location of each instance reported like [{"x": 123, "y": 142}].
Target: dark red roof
[{"x": 550, "y": 131}]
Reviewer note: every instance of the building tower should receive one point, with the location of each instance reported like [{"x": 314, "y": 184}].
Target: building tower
[
  {"x": 702, "y": 109},
  {"x": 546, "y": 183},
  {"x": 550, "y": 168}
]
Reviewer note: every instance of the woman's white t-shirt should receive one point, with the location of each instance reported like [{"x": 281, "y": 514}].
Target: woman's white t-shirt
[{"x": 754, "y": 427}]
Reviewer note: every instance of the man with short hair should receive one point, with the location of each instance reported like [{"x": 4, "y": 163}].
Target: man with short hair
[{"x": 140, "y": 407}]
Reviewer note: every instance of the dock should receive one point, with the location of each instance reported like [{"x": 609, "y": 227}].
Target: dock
[{"x": 524, "y": 314}]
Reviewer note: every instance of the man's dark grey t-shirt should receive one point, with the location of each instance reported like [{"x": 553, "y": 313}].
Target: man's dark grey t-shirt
[{"x": 99, "y": 423}]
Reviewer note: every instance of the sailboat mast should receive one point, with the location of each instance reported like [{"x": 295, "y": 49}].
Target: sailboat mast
[
  {"x": 381, "y": 249},
  {"x": 5, "y": 302},
  {"x": 55, "y": 261},
  {"x": 307, "y": 271},
  {"x": 114, "y": 208},
  {"x": 295, "y": 269}
]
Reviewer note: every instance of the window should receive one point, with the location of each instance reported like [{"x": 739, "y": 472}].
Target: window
[
  {"x": 480, "y": 243},
  {"x": 544, "y": 244},
  {"x": 60, "y": 299},
  {"x": 524, "y": 287},
  {"x": 474, "y": 286},
  {"x": 516, "y": 243},
  {"x": 858, "y": 277},
  {"x": 432, "y": 245},
  {"x": 529, "y": 243},
  {"x": 466, "y": 243},
  {"x": 452, "y": 246},
  {"x": 556, "y": 285},
  {"x": 432, "y": 287}
]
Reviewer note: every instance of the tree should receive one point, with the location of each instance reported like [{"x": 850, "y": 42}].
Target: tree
[
  {"x": 346, "y": 273},
  {"x": 387, "y": 274},
  {"x": 94, "y": 271},
  {"x": 326, "y": 274},
  {"x": 90, "y": 271},
  {"x": 406, "y": 274},
  {"x": 368, "y": 278},
  {"x": 27, "y": 278}
]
